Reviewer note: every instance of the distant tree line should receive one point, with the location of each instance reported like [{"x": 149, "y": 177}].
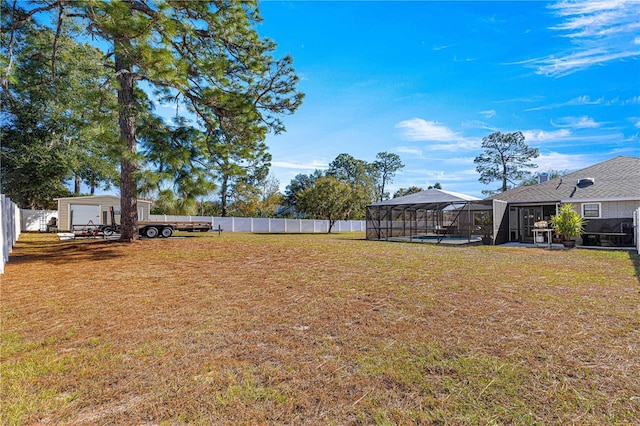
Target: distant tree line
[{"x": 342, "y": 191}]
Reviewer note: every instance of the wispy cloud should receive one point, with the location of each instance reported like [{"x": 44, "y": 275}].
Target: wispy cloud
[
  {"x": 418, "y": 129},
  {"x": 583, "y": 122},
  {"x": 599, "y": 32},
  {"x": 417, "y": 152},
  {"x": 489, "y": 113},
  {"x": 542, "y": 136},
  {"x": 580, "y": 100},
  {"x": 311, "y": 165},
  {"x": 440, "y": 137},
  {"x": 558, "y": 161},
  {"x": 632, "y": 101}
]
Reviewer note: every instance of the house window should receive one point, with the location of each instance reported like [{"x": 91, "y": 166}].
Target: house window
[{"x": 591, "y": 210}]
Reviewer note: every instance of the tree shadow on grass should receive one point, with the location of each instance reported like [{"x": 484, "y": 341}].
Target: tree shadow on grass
[{"x": 65, "y": 252}]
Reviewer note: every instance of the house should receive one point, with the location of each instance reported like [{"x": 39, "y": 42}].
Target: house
[
  {"x": 93, "y": 210},
  {"x": 606, "y": 194}
]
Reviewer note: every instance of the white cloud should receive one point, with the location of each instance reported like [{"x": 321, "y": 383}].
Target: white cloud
[
  {"x": 446, "y": 139},
  {"x": 580, "y": 100},
  {"x": 632, "y": 101},
  {"x": 558, "y": 161},
  {"x": 585, "y": 100},
  {"x": 312, "y": 165},
  {"x": 418, "y": 129},
  {"x": 544, "y": 136},
  {"x": 600, "y": 32},
  {"x": 583, "y": 122},
  {"x": 489, "y": 113},
  {"x": 466, "y": 161},
  {"x": 410, "y": 150}
]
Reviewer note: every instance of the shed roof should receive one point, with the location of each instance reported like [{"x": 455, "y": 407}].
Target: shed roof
[
  {"x": 430, "y": 196},
  {"x": 614, "y": 179}
]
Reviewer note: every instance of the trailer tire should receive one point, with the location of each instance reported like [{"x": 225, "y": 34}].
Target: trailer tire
[
  {"x": 151, "y": 232},
  {"x": 166, "y": 232},
  {"x": 108, "y": 231}
]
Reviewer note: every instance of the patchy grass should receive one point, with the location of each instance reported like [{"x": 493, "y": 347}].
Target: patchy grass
[{"x": 316, "y": 329}]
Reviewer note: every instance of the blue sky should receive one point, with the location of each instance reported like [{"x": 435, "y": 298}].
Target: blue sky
[{"x": 429, "y": 80}]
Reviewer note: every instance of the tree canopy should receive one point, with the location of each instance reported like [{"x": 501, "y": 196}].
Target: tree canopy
[
  {"x": 328, "y": 198},
  {"x": 356, "y": 182},
  {"x": 407, "y": 191},
  {"x": 58, "y": 112},
  {"x": 506, "y": 158},
  {"x": 386, "y": 165}
]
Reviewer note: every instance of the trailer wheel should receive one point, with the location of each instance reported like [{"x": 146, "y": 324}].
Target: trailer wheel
[
  {"x": 166, "y": 232},
  {"x": 108, "y": 231},
  {"x": 151, "y": 232}
]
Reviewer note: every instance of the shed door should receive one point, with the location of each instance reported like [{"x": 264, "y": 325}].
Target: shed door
[{"x": 83, "y": 214}]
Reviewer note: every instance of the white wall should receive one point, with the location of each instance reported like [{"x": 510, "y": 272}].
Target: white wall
[{"x": 36, "y": 220}]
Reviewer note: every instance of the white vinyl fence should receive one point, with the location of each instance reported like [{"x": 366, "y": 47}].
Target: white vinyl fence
[
  {"x": 636, "y": 228},
  {"x": 10, "y": 229},
  {"x": 36, "y": 220},
  {"x": 267, "y": 225}
]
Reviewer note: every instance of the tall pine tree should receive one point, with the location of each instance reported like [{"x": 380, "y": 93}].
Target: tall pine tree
[{"x": 203, "y": 55}]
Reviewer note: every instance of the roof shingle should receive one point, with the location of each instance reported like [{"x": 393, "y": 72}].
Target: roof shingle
[{"x": 617, "y": 178}]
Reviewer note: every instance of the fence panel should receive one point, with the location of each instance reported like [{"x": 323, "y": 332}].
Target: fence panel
[
  {"x": 9, "y": 229},
  {"x": 277, "y": 225},
  {"x": 307, "y": 226},
  {"x": 266, "y": 225},
  {"x": 243, "y": 224}
]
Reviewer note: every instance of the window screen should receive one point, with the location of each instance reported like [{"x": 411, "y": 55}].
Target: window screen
[{"x": 591, "y": 210}]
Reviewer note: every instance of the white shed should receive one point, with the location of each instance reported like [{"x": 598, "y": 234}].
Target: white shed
[{"x": 93, "y": 210}]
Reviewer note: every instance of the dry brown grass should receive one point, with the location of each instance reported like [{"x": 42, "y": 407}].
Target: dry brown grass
[{"x": 317, "y": 329}]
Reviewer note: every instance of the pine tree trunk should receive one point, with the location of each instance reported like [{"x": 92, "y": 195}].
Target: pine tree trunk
[
  {"x": 76, "y": 185},
  {"x": 504, "y": 178},
  {"x": 223, "y": 195},
  {"x": 127, "y": 122}
]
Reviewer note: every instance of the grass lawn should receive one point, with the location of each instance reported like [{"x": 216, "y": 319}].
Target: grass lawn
[{"x": 316, "y": 329}]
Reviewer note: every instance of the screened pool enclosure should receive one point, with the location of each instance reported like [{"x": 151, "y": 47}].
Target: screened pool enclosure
[{"x": 433, "y": 215}]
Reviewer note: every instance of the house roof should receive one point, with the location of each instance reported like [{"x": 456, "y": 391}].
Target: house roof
[
  {"x": 614, "y": 179},
  {"x": 430, "y": 196}
]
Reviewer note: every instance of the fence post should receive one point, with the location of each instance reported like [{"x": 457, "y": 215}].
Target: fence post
[{"x": 3, "y": 237}]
